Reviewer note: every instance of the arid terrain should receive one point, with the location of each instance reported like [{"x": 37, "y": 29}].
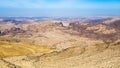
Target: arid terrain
[{"x": 51, "y": 44}]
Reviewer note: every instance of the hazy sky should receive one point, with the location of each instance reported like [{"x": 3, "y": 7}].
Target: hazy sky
[{"x": 59, "y": 7}]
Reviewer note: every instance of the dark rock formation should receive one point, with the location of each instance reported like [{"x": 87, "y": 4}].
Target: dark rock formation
[
  {"x": 59, "y": 24},
  {"x": 91, "y": 34},
  {"x": 12, "y": 31}
]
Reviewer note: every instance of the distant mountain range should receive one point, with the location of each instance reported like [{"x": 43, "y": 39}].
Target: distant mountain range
[{"x": 50, "y": 43}]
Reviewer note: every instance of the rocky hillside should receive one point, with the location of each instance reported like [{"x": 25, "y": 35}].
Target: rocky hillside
[
  {"x": 53, "y": 45},
  {"x": 107, "y": 31},
  {"x": 94, "y": 56}
]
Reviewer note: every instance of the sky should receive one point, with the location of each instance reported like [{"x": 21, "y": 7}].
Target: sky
[{"x": 59, "y": 8}]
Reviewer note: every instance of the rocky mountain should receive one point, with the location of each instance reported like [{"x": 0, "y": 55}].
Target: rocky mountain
[
  {"x": 49, "y": 44},
  {"x": 109, "y": 30}
]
